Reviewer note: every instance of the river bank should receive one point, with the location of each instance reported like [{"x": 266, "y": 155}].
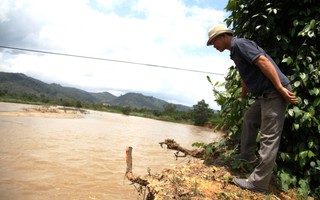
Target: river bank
[
  {"x": 203, "y": 179},
  {"x": 42, "y": 111}
]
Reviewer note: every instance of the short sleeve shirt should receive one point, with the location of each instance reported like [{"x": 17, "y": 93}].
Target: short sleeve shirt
[{"x": 244, "y": 52}]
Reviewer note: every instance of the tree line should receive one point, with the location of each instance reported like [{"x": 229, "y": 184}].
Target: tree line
[{"x": 200, "y": 115}]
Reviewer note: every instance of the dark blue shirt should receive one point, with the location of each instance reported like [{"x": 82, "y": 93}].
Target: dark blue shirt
[{"x": 244, "y": 52}]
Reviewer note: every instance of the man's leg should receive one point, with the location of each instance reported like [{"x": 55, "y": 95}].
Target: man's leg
[
  {"x": 250, "y": 127},
  {"x": 272, "y": 119}
]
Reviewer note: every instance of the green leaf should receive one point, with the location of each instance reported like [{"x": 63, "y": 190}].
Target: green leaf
[
  {"x": 286, "y": 180},
  {"x": 304, "y": 188},
  {"x": 303, "y": 76},
  {"x": 303, "y": 154},
  {"x": 287, "y": 60},
  {"x": 208, "y": 78},
  {"x": 311, "y": 34},
  {"x": 297, "y": 84},
  {"x": 278, "y": 37},
  {"x": 314, "y": 91},
  {"x": 302, "y": 162},
  {"x": 312, "y": 164},
  {"x": 310, "y": 154},
  {"x": 290, "y": 112},
  {"x": 316, "y": 102},
  {"x": 275, "y": 11},
  {"x": 311, "y": 144},
  {"x": 309, "y": 59},
  {"x": 312, "y": 24},
  {"x": 297, "y": 111},
  {"x": 283, "y": 156},
  {"x": 311, "y": 111},
  {"x": 299, "y": 57},
  {"x": 208, "y": 149}
]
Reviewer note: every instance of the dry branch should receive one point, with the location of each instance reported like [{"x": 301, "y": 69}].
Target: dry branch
[{"x": 171, "y": 144}]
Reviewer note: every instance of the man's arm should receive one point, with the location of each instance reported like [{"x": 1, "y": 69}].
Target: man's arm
[
  {"x": 244, "y": 90},
  {"x": 270, "y": 72}
]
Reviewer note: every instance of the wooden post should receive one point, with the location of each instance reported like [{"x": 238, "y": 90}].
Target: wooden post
[
  {"x": 129, "y": 173},
  {"x": 129, "y": 159}
]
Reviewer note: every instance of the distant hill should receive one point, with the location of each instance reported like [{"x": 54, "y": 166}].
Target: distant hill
[
  {"x": 138, "y": 100},
  {"x": 18, "y": 84}
]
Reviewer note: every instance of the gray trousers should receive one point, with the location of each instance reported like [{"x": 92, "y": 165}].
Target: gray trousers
[{"x": 266, "y": 114}]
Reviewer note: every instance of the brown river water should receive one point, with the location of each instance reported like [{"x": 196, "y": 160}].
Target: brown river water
[{"x": 84, "y": 158}]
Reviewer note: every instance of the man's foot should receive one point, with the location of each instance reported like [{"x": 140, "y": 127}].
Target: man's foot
[
  {"x": 249, "y": 159},
  {"x": 246, "y": 184}
]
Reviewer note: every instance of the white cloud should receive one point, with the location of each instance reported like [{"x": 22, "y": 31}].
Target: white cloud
[{"x": 153, "y": 32}]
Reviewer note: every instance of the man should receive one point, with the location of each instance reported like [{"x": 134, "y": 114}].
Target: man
[{"x": 261, "y": 76}]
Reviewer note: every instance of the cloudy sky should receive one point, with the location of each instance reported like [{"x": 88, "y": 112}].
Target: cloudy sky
[{"x": 169, "y": 33}]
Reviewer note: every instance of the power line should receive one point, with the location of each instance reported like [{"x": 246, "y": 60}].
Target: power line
[{"x": 106, "y": 59}]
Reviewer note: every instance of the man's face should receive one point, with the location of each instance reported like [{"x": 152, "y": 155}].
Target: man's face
[{"x": 219, "y": 43}]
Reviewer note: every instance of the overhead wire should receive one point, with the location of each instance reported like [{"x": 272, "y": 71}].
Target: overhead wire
[{"x": 106, "y": 59}]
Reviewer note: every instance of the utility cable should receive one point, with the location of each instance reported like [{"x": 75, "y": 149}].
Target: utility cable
[{"x": 106, "y": 59}]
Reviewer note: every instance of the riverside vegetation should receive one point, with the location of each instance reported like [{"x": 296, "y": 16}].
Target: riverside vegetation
[{"x": 200, "y": 115}]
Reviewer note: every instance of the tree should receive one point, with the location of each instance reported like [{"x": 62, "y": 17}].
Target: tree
[
  {"x": 201, "y": 113},
  {"x": 289, "y": 30},
  {"x": 3, "y": 92},
  {"x": 126, "y": 110},
  {"x": 169, "y": 108}
]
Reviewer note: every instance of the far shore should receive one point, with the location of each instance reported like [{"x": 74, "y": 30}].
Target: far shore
[{"x": 16, "y": 109}]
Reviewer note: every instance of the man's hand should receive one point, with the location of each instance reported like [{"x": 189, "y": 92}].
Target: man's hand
[{"x": 288, "y": 95}]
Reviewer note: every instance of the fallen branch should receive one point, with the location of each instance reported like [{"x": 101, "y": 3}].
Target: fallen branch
[{"x": 171, "y": 144}]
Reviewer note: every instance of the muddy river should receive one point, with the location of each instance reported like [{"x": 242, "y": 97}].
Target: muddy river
[{"x": 84, "y": 157}]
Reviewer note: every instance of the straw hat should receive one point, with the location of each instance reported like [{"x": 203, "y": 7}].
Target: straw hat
[{"x": 217, "y": 30}]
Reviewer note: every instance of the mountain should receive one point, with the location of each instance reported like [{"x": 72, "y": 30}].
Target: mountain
[
  {"x": 18, "y": 84},
  {"x": 139, "y": 101}
]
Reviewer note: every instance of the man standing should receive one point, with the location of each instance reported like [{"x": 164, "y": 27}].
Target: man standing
[{"x": 261, "y": 76}]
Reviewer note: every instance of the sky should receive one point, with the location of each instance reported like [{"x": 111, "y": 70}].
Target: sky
[{"x": 160, "y": 35}]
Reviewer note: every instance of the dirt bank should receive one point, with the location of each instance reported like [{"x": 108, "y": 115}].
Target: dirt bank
[{"x": 204, "y": 179}]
